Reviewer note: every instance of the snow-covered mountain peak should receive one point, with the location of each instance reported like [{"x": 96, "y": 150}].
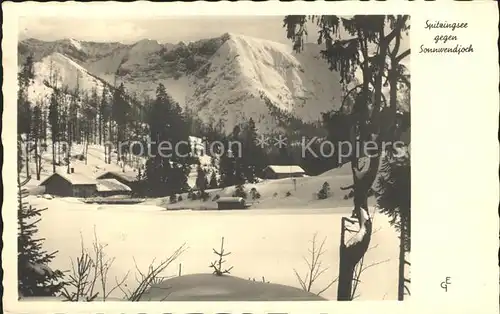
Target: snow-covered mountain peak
[
  {"x": 224, "y": 80},
  {"x": 76, "y": 44}
]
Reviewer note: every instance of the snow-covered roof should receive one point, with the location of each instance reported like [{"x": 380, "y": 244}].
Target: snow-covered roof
[
  {"x": 286, "y": 169},
  {"x": 107, "y": 185},
  {"x": 73, "y": 178},
  {"x": 129, "y": 176},
  {"x": 230, "y": 200}
]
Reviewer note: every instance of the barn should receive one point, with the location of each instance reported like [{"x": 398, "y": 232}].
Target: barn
[
  {"x": 128, "y": 178},
  {"x": 283, "y": 171},
  {"x": 231, "y": 203},
  {"x": 69, "y": 185},
  {"x": 112, "y": 187}
]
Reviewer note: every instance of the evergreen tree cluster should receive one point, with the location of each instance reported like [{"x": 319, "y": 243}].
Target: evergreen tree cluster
[
  {"x": 167, "y": 169},
  {"x": 241, "y": 160}
]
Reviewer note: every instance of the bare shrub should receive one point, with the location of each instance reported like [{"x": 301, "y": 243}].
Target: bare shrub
[
  {"x": 151, "y": 277},
  {"x": 315, "y": 267},
  {"x": 89, "y": 270},
  {"x": 88, "y": 278}
]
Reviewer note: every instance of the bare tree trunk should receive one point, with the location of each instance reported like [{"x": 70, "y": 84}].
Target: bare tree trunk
[
  {"x": 53, "y": 156},
  {"x": 104, "y": 141},
  {"x": 38, "y": 160},
  {"x": 351, "y": 252},
  {"x": 94, "y": 131},
  {"x": 346, "y": 269},
  {"x": 86, "y": 148},
  {"x": 110, "y": 137},
  {"x": 100, "y": 129},
  {"x": 44, "y": 126},
  {"x": 119, "y": 138},
  {"x": 68, "y": 153},
  {"x": 59, "y": 152}
]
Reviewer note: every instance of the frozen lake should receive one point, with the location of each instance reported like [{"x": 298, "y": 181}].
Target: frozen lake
[{"x": 263, "y": 242}]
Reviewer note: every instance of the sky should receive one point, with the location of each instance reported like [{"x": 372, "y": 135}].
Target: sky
[{"x": 164, "y": 30}]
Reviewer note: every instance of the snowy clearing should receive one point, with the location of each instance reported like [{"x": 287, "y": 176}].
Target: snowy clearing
[{"x": 269, "y": 243}]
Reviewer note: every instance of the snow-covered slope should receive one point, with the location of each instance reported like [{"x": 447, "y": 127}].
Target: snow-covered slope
[
  {"x": 60, "y": 70},
  {"x": 76, "y": 44}
]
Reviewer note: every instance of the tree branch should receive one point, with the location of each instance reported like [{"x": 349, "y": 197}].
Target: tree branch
[
  {"x": 347, "y": 95},
  {"x": 399, "y": 25},
  {"x": 403, "y": 55}
]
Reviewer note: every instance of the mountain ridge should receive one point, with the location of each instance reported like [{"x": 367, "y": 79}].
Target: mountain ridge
[{"x": 225, "y": 80}]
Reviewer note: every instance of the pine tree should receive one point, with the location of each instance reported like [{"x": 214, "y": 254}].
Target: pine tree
[
  {"x": 239, "y": 191},
  {"x": 237, "y": 156},
  {"x": 253, "y": 158},
  {"x": 45, "y": 123},
  {"x": 155, "y": 166},
  {"x": 87, "y": 115},
  {"x": 94, "y": 100},
  {"x": 167, "y": 173},
  {"x": 19, "y": 154},
  {"x": 36, "y": 134},
  {"x": 35, "y": 277},
  {"x": 104, "y": 124},
  {"x": 226, "y": 166},
  {"x": 393, "y": 194},
  {"x": 73, "y": 126}
]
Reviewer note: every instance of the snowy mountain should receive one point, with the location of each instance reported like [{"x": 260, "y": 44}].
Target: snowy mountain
[
  {"x": 224, "y": 80},
  {"x": 245, "y": 72},
  {"x": 60, "y": 70}
]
